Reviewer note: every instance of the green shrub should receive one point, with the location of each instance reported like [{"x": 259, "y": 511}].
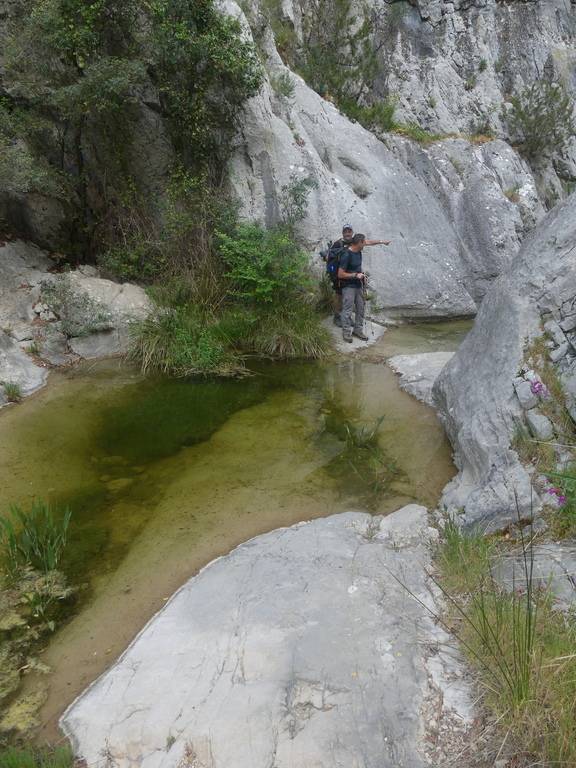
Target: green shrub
[
  {"x": 338, "y": 66},
  {"x": 34, "y": 538},
  {"x": 541, "y": 119},
  {"x": 263, "y": 265},
  {"x": 12, "y": 391},
  {"x": 284, "y": 85},
  {"x": 205, "y": 70},
  {"x": 294, "y": 199}
]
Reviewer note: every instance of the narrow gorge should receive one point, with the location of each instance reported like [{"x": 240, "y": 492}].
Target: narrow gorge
[{"x": 228, "y": 538}]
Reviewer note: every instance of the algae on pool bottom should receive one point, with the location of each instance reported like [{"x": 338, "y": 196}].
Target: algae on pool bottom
[{"x": 163, "y": 476}]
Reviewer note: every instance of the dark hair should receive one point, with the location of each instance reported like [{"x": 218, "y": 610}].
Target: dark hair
[{"x": 358, "y": 238}]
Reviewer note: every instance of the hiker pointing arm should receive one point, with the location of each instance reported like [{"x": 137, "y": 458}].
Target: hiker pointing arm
[{"x": 376, "y": 242}]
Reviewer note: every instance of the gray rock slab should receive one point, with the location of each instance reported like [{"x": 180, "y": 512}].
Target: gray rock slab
[
  {"x": 475, "y": 394},
  {"x": 540, "y": 426},
  {"x": 299, "y": 648},
  {"x": 17, "y": 367},
  {"x": 100, "y": 344},
  {"x": 555, "y": 332},
  {"x": 419, "y": 372},
  {"x": 373, "y": 330},
  {"x": 554, "y": 566}
]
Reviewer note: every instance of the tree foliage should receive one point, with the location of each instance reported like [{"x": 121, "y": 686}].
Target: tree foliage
[
  {"x": 542, "y": 119},
  {"x": 86, "y": 69}
]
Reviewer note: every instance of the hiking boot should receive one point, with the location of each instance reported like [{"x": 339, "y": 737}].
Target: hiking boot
[
  {"x": 337, "y": 321},
  {"x": 347, "y": 337},
  {"x": 360, "y": 335}
]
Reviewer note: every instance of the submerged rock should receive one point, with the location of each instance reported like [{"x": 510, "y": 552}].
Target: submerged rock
[
  {"x": 300, "y": 647},
  {"x": 419, "y": 372},
  {"x": 475, "y": 392}
]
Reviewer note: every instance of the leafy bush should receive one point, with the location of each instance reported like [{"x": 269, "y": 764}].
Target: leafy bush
[
  {"x": 263, "y": 265},
  {"x": 35, "y": 538},
  {"x": 541, "y": 119},
  {"x": 283, "y": 85},
  {"x": 294, "y": 199},
  {"x": 86, "y": 65},
  {"x": 205, "y": 71},
  {"x": 339, "y": 66},
  {"x": 22, "y": 169}
]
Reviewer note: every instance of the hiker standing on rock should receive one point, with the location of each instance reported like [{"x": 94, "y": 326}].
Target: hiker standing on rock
[
  {"x": 352, "y": 281},
  {"x": 332, "y": 258}
]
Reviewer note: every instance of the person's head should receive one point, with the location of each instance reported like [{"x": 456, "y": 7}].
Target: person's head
[
  {"x": 347, "y": 233},
  {"x": 358, "y": 242}
]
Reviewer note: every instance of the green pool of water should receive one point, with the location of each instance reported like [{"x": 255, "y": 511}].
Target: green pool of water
[{"x": 163, "y": 476}]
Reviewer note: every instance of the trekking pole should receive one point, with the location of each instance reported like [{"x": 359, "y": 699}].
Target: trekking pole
[{"x": 365, "y": 292}]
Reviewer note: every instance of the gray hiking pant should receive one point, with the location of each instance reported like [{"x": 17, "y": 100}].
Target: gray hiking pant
[{"x": 352, "y": 301}]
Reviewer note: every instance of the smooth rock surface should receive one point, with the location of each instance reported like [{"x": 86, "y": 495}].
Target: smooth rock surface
[
  {"x": 475, "y": 393},
  {"x": 299, "y": 648},
  {"x": 419, "y": 372},
  {"x": 554, "y": 566}
]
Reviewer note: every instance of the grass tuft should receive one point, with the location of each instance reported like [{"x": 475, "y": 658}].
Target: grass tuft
[
  {"x": 12, "y": 391},
  {"x": 523, "y": 649}
]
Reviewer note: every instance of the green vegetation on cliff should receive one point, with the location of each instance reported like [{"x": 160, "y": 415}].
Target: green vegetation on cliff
[{"x": 87, "y": 87}]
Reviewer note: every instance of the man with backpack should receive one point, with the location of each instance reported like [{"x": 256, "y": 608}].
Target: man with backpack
[
  {"x": 352, "y": 282},
  {"x": 335, "y": 252}
]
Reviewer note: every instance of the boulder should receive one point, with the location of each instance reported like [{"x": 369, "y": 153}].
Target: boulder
[
  {"x": 540, "y": 426},
  {"x": 475, "y": 393},
  {"x": 301, "y": 647}
]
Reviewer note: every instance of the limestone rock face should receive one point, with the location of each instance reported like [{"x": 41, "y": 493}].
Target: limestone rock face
[
  {"x": 455, "y": 212},
  {"x": 476, "y": 394},
  {"x": 298, "y": 648}
]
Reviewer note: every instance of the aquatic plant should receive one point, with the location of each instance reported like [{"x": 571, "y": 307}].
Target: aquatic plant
[
  {"x": 34, "y": 538},
  {"x": 30, "y": 757}
]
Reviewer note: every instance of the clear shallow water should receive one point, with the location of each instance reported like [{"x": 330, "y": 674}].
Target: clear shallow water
[{"x": 163, "y": 476}]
